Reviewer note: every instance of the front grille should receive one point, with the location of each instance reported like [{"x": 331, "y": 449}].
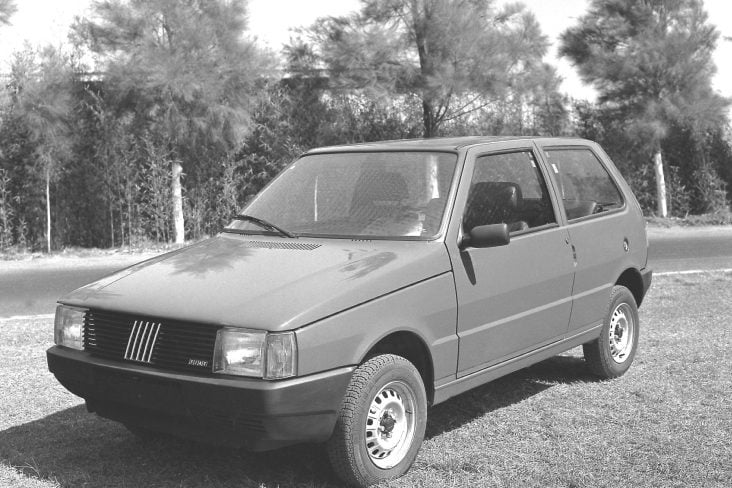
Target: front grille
[
  {"x": 142, "y": 341},
  {"x": 166, "y": 344}
]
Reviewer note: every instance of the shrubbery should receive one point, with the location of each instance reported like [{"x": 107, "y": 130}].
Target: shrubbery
[
  {"x": 103, "y": 145},
  {"x": 114, "y": 188}
]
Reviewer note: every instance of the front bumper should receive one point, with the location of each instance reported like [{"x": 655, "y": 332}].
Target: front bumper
[{"x": 243, "y": 412}]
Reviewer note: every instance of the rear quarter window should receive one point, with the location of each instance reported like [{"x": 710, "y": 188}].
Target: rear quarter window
[{"x": 585, "y": 186}]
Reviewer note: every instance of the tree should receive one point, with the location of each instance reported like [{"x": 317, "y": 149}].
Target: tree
[
  {"x": 7, "y": 9},
  {"x": 186, "y": 72},
  {"x": 456, "y": 56},
  {"x": 40, "y": 84},
  {"x": 651, "y": 63}
]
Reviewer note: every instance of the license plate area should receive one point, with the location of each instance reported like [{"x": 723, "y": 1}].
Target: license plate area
[{"x": 140, "y": 391}]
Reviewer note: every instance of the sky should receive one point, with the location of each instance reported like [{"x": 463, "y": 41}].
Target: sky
[{"x": 41, "y": 22}]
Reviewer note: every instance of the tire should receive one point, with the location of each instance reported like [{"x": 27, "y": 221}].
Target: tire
[
  {"x": 611, "y": 354},
  {"x": 381, "y": 423}
]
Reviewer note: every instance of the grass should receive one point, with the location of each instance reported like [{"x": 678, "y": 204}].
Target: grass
[
  {"x": 89, "y": 252},
  {"x": 722, "y": 217},
  {"x": 666, "y": 423}
]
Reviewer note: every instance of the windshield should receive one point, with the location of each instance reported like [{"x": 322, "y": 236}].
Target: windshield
[{"x": 359, "y": 194}]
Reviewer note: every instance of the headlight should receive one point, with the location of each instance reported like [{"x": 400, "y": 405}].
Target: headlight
[
  {"x": 239, "y": 352},
  {"x": 68, "y": 328},
  {"x": 255, "y": 353}
]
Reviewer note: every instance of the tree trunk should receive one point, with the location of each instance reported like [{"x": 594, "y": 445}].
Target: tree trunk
[
  {"x": 428, "y": 119},
  {"x": 111, "y": 219},
  {"x": 426, "y": 68},
  {"x": 48, "y": 210},
  {"x": 660, "y": 184},
  {"x": 178, "y": 223}
]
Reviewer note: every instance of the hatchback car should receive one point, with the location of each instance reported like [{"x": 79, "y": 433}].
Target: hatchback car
[{"x": 363, "y": 284}]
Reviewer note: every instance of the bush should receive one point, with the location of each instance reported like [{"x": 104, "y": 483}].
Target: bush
[
  {"x": 709, "y": 191},
  {"x": 6, "y": 212}
]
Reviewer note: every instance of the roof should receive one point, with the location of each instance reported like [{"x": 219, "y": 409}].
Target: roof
[{"x": 434, "y": 144}]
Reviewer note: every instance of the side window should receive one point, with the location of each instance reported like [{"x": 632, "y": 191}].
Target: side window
[
  {"x": 585, "y": 185},
  {"x": 508, "y": 188}
]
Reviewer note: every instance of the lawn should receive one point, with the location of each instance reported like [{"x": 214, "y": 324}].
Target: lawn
[{"x": 668, "y": 422}]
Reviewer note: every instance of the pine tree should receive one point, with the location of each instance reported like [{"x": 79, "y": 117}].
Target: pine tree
[
  {"x": 184, "y": 69},
  {"x": 456, "y": 56},
  {"x": 41, "y": 98},
  {"x": 651, "y": 63}
]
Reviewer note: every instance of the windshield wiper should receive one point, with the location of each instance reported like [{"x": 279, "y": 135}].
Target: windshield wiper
[{"x": 264, "y": 224}]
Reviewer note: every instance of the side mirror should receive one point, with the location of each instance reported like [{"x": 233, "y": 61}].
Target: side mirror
[{"x": 486, "y": 236}]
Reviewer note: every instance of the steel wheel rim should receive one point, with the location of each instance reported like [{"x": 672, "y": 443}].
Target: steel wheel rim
[
  {"x": 390, "y": 424},
  {"x": 621, "y": 334}
]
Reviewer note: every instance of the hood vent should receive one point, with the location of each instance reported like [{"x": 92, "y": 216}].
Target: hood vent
[{"x": 289, "y": 246}]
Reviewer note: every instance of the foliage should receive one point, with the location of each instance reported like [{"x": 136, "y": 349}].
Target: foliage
[
  {"x": 299, "y": 114},
  {"x": 651, "y": 63},
  {"x": 182, "y": 68},
  {"x": 36, "y": 120},
  {"x": 719, "y": 218},
  {"x": 6, "y": 211},
  {"x": 40, "y": 82},
  {"x": 7, "y": 9},
  {"x": 180, "y": 84},
  {"x": 456, "y": 56},
  {"x": 692, "y": 166},
  {"x": 116, "y": 158},
  {"x": 709, "y": 190},
  {"x": 185, "y": 74}
]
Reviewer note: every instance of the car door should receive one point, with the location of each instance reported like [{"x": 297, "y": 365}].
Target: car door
[
  {"x": 515, "y": 298},
  {"x": 597, "y": 221}
]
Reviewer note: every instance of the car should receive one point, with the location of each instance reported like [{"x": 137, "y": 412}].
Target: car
[{"x": 362, "y": 285}]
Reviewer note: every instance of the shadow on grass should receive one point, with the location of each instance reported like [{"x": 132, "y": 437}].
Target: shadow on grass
[
  {"x": 506, "y": 391},
  {"x": 74, "y": 448}
]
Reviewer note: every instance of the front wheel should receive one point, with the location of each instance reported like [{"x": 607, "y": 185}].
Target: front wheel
[
  {"x": 381, "y": 424},
  {"x": 611, "y": 354}
]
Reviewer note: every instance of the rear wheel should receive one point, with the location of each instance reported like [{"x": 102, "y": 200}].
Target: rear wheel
[
  {"x": 381, "y": 424},
  {"x": 611, "y": 354}
]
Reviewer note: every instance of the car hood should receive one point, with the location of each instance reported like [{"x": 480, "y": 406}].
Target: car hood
[{"x": 264, "y": 282}]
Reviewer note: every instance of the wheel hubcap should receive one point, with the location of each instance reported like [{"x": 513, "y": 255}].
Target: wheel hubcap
[
  {"x": 621, "y": 333},
  {"x": 390, "y": 424}
]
